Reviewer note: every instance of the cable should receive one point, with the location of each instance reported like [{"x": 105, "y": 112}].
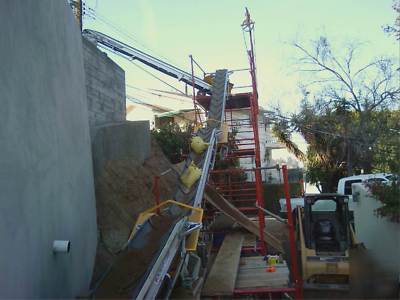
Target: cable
[
  {"x": 118, "y": 29},
  {"x": 142, "y": 100},
  {"x": 159, "y": 95},
  {"x": 129, "y": 36},
  {"x": 307, "y": 128},
  {"x": 156, "y": 77}
]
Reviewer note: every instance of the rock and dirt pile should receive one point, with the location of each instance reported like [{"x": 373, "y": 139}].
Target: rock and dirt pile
[{"x": 123, "y": 191}]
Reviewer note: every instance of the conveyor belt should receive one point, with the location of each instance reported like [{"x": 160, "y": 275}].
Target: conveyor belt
[
  {"x": 204, "y": 161},
  {"x": 131, "y": 53},
  {"x": 208, "y": 134},
  {"x": 166, "y": 241}
]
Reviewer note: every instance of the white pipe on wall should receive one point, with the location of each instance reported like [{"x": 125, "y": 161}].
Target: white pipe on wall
[{"x": 60, "y": 246}]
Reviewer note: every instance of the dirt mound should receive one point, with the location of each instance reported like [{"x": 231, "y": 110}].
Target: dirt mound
[
  {"x": 123, "y": 191},
  {"x": 132, "y": 263}
]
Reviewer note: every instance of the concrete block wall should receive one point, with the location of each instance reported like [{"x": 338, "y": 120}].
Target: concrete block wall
[{"x": 105, "y": 87}]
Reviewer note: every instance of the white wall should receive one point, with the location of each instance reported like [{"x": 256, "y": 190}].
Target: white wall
[
  {"x": 46, "y": 177},
  {"x": 380, "y": 236}
]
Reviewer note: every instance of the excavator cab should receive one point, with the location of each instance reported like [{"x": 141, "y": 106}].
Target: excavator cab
[{"x": 325, "y": 237}]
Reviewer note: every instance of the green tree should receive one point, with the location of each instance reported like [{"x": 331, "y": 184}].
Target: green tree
[
  {"x": 386, "y": 154},
  {"x": 173, "y": 140}
]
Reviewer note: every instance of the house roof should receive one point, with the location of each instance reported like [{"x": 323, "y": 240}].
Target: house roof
[{"x": 174, "y": 113}]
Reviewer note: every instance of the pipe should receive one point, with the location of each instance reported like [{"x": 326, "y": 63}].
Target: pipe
[
  {"x": 60, "y": 246},
  {"x": 192, "y": 227}
]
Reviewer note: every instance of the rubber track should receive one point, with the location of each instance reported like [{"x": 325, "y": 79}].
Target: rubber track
[
  {"x": 215, "y": 117},
  {"x": 217, "y": 105}
]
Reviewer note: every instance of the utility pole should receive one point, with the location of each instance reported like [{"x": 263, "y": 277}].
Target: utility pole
[{"x": 77, "y": 8}]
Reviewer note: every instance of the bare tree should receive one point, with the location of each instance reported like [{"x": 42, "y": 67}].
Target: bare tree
[
  {"x": 374, "y": 85},
  {"x": 395, "y": 28}
]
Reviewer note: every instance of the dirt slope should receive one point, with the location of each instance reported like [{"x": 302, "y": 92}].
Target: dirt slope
[{"x": 123, "y": 190}]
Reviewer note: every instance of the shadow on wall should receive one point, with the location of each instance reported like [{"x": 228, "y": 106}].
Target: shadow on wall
[{"x": 121, "y": 141}]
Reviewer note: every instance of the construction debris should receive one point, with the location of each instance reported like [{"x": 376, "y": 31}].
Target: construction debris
[{"x": 215, "y": 198}]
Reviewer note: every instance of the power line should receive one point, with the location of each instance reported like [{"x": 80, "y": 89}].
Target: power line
[
  {"x": 155, "y": 94},
  {"x": 307, "y": 128},
  {"x": 140, "y": 101},
  {"x": 156, "y": 77},
  {"x": 121, "y": 31}
]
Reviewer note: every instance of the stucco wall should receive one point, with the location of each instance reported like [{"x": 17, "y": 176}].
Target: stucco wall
[
  {"x": 105, "y": 87},
  {"x": 379, "y": 235},
  {"x": 46, "y": 181}
]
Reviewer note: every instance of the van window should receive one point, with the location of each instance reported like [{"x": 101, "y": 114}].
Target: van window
[
  {"x": 390, "y": 177},
  {"x": 347, "y": 186},
  {"x": 324, "y": 205},
  {"x": 376, "y": 180}
]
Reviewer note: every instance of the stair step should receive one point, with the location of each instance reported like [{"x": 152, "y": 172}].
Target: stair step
[
  {"x": 243, "y": 201},
  {"x": 238, "y": 195},
  {"x": 249, "y": 208},
  {"x": 236, "y": 190}
]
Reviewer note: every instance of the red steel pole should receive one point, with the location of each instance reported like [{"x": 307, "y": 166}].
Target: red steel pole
[
  {"x": 301, "y": 181},
  {"x": 296, "y": 276},
  {"x": 254, "y": 123}
]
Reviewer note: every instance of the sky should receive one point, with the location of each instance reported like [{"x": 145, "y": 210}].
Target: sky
[{"x": 210, "y": 30}]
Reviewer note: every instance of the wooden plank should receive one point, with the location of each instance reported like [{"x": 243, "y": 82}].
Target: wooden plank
[
  {"x": 219, "y": 202},
  {"x": 260, "y": 282},
  {"x": 249, "y": 240},
  {"x": 222, "y": 277},
  {"x": 252, "y": 274}
]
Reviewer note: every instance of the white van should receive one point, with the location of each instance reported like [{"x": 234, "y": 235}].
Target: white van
[
  {"x": 344, "y": 184},
  {"x": 344, "y": 188}
]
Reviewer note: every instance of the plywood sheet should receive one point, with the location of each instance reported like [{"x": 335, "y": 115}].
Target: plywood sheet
[
  {"x": 249, "y": 240},
  {"x": 222, "y": 277}
]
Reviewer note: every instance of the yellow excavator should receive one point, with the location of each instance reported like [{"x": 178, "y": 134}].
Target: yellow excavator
[{"x": 324, "y": 238}]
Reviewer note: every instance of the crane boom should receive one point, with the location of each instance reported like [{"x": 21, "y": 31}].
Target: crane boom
[{"x": 132, "y": 53}]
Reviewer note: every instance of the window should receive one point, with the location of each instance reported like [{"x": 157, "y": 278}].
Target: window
[
  {"x": 347, "y": 186},
  {"x": 376, "y": 180},
  {"x": 324, "y": 205},
  {"x": 392, "y": 177}
]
